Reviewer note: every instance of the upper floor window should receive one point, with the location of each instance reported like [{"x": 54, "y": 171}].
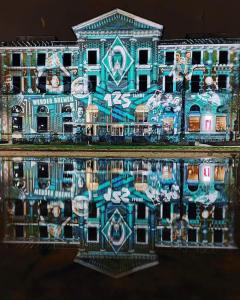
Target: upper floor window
[
  {"x": 195, "y": 83},
  {"x": 42, "y": 80},
  {"x": 223, "y": 57},
  {"x": 168, "y": 84},
  {"x": 16, "y": 60},
  {"x": 16, "y": 84},
  {"x": 67, "y": 59},
  {"x": 143, "y": 57},
  {"x": 169, "y": 58},
  {"x": 92, "y": 57},
  {"x": 142, "y": 83},
  {"x": 196, "y": 57},
  {"x": 67, "y": 84},
  {"x": 92, "y": 83},
  {"x": 41, "y": 59}
]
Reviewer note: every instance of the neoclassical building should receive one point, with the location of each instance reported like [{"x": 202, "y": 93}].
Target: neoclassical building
[{"x": 119, "y": 82}]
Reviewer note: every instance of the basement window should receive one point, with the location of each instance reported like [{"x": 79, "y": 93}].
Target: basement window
[
  {"x": 218, "y": 236},
  {"x": 43, "y": 231},
  {"x": 143, "y": 57}
]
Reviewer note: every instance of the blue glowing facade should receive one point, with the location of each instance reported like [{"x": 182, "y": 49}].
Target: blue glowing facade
[{"x": 119, "y": 82}]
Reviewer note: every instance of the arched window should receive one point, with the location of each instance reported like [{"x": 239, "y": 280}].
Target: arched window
[
  {"x": 193, "y": 187},
  {"x": 17, "y": 109},
  {"x": 42, "y": 109},
  {"x": 195, "y": 108},
  {"x": 66, "y": 109}
]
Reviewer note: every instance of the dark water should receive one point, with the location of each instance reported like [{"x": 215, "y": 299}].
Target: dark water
[{"x": 104, "y": 228}]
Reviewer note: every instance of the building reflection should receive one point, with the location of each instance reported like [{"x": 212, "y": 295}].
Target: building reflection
[{"x": 118, "y": 212}]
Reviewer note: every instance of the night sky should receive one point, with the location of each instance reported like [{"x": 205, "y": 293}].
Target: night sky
[{"x": 56, "y": 17}]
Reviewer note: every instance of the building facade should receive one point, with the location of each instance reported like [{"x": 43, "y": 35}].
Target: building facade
[{"x": 119, "y": 82}]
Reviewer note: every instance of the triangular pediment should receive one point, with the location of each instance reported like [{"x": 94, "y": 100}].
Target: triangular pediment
[{"x": 116, "y": 20}]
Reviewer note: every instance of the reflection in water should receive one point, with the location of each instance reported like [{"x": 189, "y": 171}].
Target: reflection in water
[{"x": 117, "y": 212}]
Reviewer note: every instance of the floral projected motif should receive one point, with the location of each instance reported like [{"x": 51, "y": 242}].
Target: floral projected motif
[{"x": 117, "y": 60}]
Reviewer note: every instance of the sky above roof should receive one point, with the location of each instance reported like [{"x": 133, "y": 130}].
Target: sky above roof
[{"x": 56, "y": 17}]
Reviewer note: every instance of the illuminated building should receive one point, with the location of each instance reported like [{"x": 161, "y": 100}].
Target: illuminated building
[{"x": 118, "y": 82}]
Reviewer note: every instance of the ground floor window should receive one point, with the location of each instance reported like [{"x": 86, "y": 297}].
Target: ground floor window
[
  {"x": 117, "y": 130},
  {"x": 141, "y": 130},
  {"x": 42, "y": 124},
  {"x": 167, "y": 171},
  {"x": 194, "y": 124},
  {"x": 67, "y": 126},
  {"x": 221, "y": 123},
  {"x": 192, "y": 173},
  {"x": 17, "y": 124},
  {"x": 207, "y": 122},
  {"x": 168, "y": 125},
  {"x": 219, "y": 173}
]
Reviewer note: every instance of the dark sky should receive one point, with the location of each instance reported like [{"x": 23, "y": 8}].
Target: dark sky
[{"x": 56, "y": 17}]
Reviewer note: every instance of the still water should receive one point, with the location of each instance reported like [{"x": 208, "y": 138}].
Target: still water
[{"x": 115, "y": 217}]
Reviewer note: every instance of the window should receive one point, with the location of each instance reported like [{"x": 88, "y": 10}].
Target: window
[
  {"x": 142, "y": 83},
  {"x": 141, "y": 235},
  {"x": 117, "y": 130},
  {"x": 192, "y": 173},
  {"x": 92, "y": 57},
  {"x": 192, "y": 213},
  {"x": 67, "y": 84},
  {"x": 42, "y": 124},
  {"x": 169, "y": 58},
  {"x": 221, "y": 123},
  {"x": 18, "y": 208},
  {"x": 68, "y": 232},
  {"x": 92, "y": 83},
  {"x": 67, "y": 59},
  {"x": 166, "y": 210},
  {"x": 68, "y": 167},
  {"x": 218, "y": 236},
  {"x": 16, "y": 109},
  {"x": 192, "y": 235},
  {"x": 92, "y": 210},
  {"x": 167, "y": 171},
  {"x": 18, "y": 170},
  {"x": 219, "y": 173},
  {"x": 92, "y": 234},
  {"x": 168, "y": 84},
  {"x": 207, "y": 123},
  {"x": 218, "y": 213},
  {"x": 195, "y": 83},
  {"x": 141, "y": 116},
  {"x": 168, "y": 125},
  {"x": 67, "y": 126},
  {"x": 196, "y": 57},
  {"x": 67, "y": 208},
  {"x": 42, "y": 84},
  {"x": 222, "y": 81},
  {"x": 223, "y": 57},
  {"x": 194, "y": 124},
  {"x": 166, "y": 234},
  {"x": 43, "y": 170},
  {"x": 16, "y": 80},
  {"x": 141, "y": 211},
  {"x": 42, "y": 109},
  {"x": 43, "y": 208},
  {"x": 16, "y": 60},
  {"x": 143, "y": 57},
  {"x": 41, "y": 59},
  {"x": 43, "y": 231},
  {"x": 19, "y": 231},
  {"x": 66, "y": 109},
  {"x": 17, "y": 124}
]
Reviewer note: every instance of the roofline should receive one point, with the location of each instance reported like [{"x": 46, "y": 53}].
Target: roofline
[{"x": 122, "y": 12}]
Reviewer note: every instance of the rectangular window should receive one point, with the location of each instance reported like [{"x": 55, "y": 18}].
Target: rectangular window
[
  {"x": 167, "y": 171},
  {"x": 142, "y": 83},
  {"x": 17, "y": 124},
  {"x": 223, "y": 57},
  {"x": 222, "y": 81},
  {"x": 168, "y": 84},
  {"x": 143, "y": 57},
  {"x": 67, "y": 84},
  {"x": 192, "y": 213},
  {"x": 92, "y": 57},
  {"x": 41, "y": 59},
  {"x": 166, "y": 210},
  {"x": 141, "y": 235},
  {"x": 43, "y": 170},
  {"x": 221, "y": 123},
  {"x": 19, "y": 231},
  {"x": 43, "y": 208},
  {"x": 67, "y": 208},
  {"x": 219, "y": 173},
  {"x": 19, "y": 208},
  {"x": 194, "y": 124},
  {"x": 43, "y": 231},
  {"x": 207, "y": 122},
  {"x": 166, "y": 234},
  {"x": 192, "y": 173},
  {"x": 42, "y": 84},
  {"x": 92, "y": 234},
  {"x": 18, "y": 170},
  {"x": 218, "y": 213},
  {"x": 67, "y": 59},
  {"x": 16, "y": 84},
  {"x": 195, "y": 83},
  {"x": 218, "y": 236},
  {"x": 68, "y": 232},
  {"x": 16, "y": 60},
  {"x": 168, "y": 125},
  {"x": 141, "y": 211},
  {"x": 196, "y": 57},
  {"x": 169, "y": 58},
  {"x": 192, "y": 235},
  {"x": 92, "y": 83},
  {"x": 42, "y": 124},
  {"x": 92, "y": 210}
]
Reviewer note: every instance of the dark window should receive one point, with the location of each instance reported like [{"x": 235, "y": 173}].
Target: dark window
[
  {"x": 195, "y": 108},
  {"x": 43, "y": 231},
  {"x": 17, "y": 124},
  {"x": 169, "y": 59},
  {"x": 195, "y": 83},
  {"x": 141, "y": 211},
  {"x": 168, "y": 84},
  {"x": 222, "y": 81},
  {"x": 43, "y": 208},
  {"x": 166, "y": 210},
  {"x": 141, "y": 235},
  {"x": 19, "y": 231},
  {"x": 42, "y": 109},
  {"x": 218, "y": 237},
  {"x": 18, "y": 170},
  {"x": 166, "y": 234},
  {"x": 16, "y": 109},
  {"x": 92, "y": 57},
  {"x": 18, "y": 208},
  {"x": 218, "y": 213},
  {"x": 42, "y": 84},
  {"x": 16, "y": 84},
  {"x": 142, "y": 83},
  {"x": 67, "y": 127},
  {"x": 67, "y": 84},
  {"x": 92, "y": 233},
  {"x": 143, "y": 57},
  {"x": 196, "y": 57},
  {"x": 67, "y": 59},
  {"x": 92, "y": 83},
  {"x": 66, "y": 109},
  {"x": 68, "y": 208},
  {"x": 42, "y": 124},
  {"x": 92, "y": 210},
  {"x": 192, "y": 235},
  {"x": 68, "y": 167},
  {"x": 16, "y": 60},
  {"x": 192, "y": 211},
  {"x": 223, "y": 57},
  {"x": 43, "y": 170},
  {"x": 41, "y": 59},
  {"x": 68, "y": 232}
]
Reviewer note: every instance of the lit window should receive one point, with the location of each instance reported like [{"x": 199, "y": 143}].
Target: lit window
[
  {"x": 221, "y": 123},
  {"x": 168, "y": 125},
  {"x": 167, "y": 171},
  {"x": 206, "y": 173},
  {"x": 192, "y": 172},
  {"x": 219, "y": 173},
  {"x": 207, "y": 123},
  {"x": 194, "y": 124}
]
